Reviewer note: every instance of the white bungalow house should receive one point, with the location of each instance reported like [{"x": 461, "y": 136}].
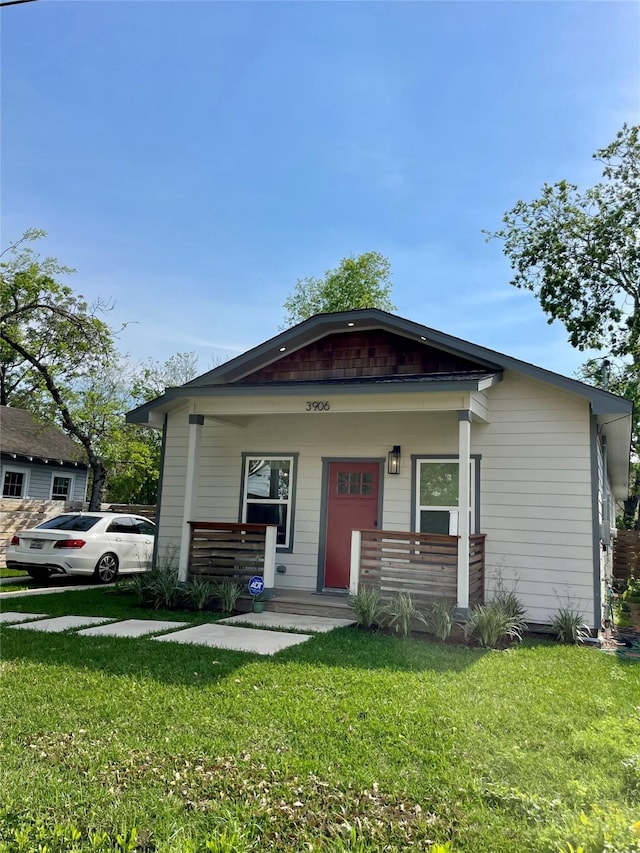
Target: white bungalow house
[{"x": 363, "y": 448}]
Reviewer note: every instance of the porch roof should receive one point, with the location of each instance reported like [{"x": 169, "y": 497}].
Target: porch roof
[
  {"x": 612, "y": 413},
  {"x": 322, "y": 325}
]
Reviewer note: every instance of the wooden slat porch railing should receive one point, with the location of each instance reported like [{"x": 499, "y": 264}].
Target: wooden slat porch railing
[
  {"x": 219, "y": 549},
  {"x": 422, "y": 564}
]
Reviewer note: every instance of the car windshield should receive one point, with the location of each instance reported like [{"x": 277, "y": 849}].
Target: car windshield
[{"x": 70, "y": 522}]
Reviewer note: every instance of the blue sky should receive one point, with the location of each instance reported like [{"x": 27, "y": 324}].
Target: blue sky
[{"x": 193, "y": 159}]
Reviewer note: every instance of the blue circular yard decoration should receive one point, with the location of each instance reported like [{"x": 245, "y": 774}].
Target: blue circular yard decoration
[{"x": 256, "y": 585}]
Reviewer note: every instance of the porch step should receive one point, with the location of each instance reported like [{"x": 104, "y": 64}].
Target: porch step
[{"x": 309, "y": 604}]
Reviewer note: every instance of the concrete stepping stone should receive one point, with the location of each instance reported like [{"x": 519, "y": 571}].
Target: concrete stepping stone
[
  {"x": 289, "y": 621},
  {"x": 235, "y": 639},
  {"x": 11, "y": 616},
  {"x": 61, "y": 623},
  {"x": 131, "y": 628}
]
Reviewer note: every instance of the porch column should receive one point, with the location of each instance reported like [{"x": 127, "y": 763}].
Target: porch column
[
  {"x": 269, "y": 572},
  {"x": 354, "y": 575},
  {"x": 191, "y": 490},
  {"x": 464, "y": 465}
]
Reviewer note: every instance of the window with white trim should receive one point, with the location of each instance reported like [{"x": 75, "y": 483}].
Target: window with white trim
[
  {"x": 61, "y": 487},
  {"x": 15, "y": 482},
  {"x": 266, "y": 493},
  {"x": 437, "y": 496}
]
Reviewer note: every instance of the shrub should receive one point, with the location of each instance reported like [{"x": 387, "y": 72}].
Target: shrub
[
  {"x": 621, "y": 615},
  {"x": 367, "y": 605},
  {"x": 199, "y": 593},
  {"x": 632, "y": 590},
  {"x": 511, "y": 604},
  {"x": 441, "y": 618},
  {"x": 158, "y": 588},
  {"x": 570, "y": 627},
  {"x": 492, "y": 624},
  {"x": 400, "y": 612},
  {"x": 228, "y": 591}
]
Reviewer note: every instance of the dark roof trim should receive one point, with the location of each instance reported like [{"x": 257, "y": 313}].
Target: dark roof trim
[
  {"x": 52, "y": 461},
  {"x": 602, "y": 402},
  {"x": 315, "y": 328}
]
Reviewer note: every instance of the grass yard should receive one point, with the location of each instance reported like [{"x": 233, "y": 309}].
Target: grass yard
[
  {"x": 11, "y": 573},
  {"x": 352, "y": 741}
]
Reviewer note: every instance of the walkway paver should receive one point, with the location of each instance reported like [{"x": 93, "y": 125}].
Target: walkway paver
[
  {"x": 290, "y": 621},
  {"x": 61, "y": 623},
  {"x": 234, "y": 638},
  {"x": 131, "y": 628},
  {"x": 11, "y": 616}
]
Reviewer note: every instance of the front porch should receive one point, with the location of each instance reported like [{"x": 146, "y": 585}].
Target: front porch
[{"x": 428, "y": 566}]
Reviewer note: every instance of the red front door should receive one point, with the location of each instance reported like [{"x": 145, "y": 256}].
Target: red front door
[{"x": 352, "y": 504}]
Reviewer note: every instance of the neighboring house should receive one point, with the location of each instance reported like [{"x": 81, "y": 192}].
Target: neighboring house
[
  {"x": 376, "y": 445},
  {"x": 38, "y": 460}
]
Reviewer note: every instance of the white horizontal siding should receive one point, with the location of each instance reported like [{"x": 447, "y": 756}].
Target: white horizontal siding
[
  {"x": 536, "y": 496},
  {"x": 535, "y": 482}
]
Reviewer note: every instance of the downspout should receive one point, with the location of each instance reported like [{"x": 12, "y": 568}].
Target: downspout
[
  {"x": 606, "y": 496},
  {"x": 595, "y": 525}
]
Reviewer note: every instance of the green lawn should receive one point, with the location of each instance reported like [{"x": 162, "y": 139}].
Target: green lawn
[
  {"x": 11, "y": 573},
  {"x": 352, "y": 741}
]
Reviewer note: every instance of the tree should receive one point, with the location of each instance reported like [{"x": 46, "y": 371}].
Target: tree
[
  {"x": 154, "y": 377},
  {"x": 362, "y": 282},
  {"x": 52, "y": 342},
  {"x": 133, "y": 452},
  {"x": 578, "y": 252},
  {"x": 619, "y": 378}
]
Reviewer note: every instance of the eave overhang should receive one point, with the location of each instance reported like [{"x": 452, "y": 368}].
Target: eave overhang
[
  {"x": 151, "y": 414},
  {"x": 25, "y": 458},
  {"x": 617, "y": 434}
]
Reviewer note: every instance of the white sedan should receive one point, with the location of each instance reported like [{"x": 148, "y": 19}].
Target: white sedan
[{"x": 101, "y": 544}]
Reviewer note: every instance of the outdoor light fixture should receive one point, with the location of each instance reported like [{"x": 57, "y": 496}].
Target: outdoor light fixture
[{"x": 393, "y": 462}]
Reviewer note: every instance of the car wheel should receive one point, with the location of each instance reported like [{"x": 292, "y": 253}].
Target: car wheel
[
  {"x": 39, "y": 573},
  {"x": 106, "y": 569}
]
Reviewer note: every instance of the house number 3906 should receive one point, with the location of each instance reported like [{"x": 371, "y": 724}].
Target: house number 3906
[{"x": 318, "y": 406}]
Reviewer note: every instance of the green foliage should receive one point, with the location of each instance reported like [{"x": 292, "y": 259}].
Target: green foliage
[
  {"x": 440, "y": 618},
  {"x": 400, "y": 612},
  {"x": 58, "y": 360},
  {"x": 154, "y": 377},
  {"x": 52, "y": 345},
  {"x": 579, "y": 252},
  {"x": 621, "y": 615},
  {"x": 228, "y": 591},
  {"x": 367, "y": 605},
  {"x": 357, "y": 282},
  {"x": 132, "y": 453},
  {"x": 632, "y": 590},
  {"x": 510, "y": 603},
  {"x": 158, "y": 588},
  {"x": 492, "y": 625},
  {"x": 570, "y": 627},
  {"x": 365, "y": 742},
  {"x": 199, "y": 592}
]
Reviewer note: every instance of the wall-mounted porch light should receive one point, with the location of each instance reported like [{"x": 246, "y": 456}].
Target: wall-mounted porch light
[{"x": 393, "y": 461}]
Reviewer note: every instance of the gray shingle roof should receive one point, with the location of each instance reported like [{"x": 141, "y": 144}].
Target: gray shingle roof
[{"x": 21, "y": 434}]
